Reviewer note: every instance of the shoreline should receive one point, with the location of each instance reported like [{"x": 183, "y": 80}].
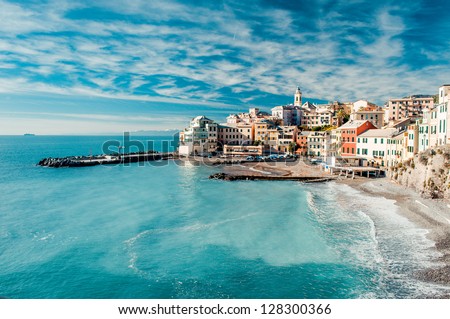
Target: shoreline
[{"x": 432, "y": 215}]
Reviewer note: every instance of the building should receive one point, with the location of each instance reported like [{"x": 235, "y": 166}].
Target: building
[
  {"x": 444, "y": 94},
  {"x": 289, "y": 114},
  {"x": 242, "y": 150},
  {"x": 235, "y": 134},
  {"x": 254, "y": 115},
  {"x": 302, "y": 142},
  {"x": 433, "y": 128},
  {"x": 319, "y": 144},
  {"x": 262, "y": 131},
  {"x": 315, "y": 116},
  {"x": 412, "y": 144},
  {"x": 335, "y": 140},
  {"x": 442, "y": 123},
  {"x": 396, "y": 149},
  {"x": 372, "y": 145},
  {"x": 424, "y": 133},
  {"x": 298, "y": 97},
  {"x": 200, "y": 138},
  {"x": 444, "y": 98},
  {"x": 287, "y": 137},
  {"x": 400, "y": 125},
  {"x": 348, "y": 136},
  {"x": 369, "y": 112},
  {"x": 409, "y": 107}
]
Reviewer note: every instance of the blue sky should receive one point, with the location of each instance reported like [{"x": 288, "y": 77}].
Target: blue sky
[{"x": 81, "y": 67}]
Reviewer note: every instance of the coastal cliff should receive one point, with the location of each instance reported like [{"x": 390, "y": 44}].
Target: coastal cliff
[{"x": 428, "y": 173}]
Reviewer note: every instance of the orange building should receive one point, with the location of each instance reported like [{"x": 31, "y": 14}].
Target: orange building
[
  {"x": 302, "y": 143},
  {"x": 349, "y": 133}
]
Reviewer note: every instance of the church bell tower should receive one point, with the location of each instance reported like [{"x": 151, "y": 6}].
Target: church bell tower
[{"x": 298, "y": 97}]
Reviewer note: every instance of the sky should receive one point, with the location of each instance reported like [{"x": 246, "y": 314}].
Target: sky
[{"x": 106, "y": 66}]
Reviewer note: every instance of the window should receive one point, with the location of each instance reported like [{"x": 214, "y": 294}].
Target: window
[
  {"x": 375, "y": 140},
  {"x": 357, "y": 151},
  {"x": 382, "y": 140},
  {"x": 359, "y": 141}
]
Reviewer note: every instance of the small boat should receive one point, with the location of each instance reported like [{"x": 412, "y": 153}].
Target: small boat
[{"x": 29, "y": 134}]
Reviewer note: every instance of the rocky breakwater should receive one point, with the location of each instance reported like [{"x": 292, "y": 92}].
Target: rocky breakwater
[
  {"x": 82, "y": 161},
  {"x": 305, "y": 179},
  {"x": 78, "y": 161}
]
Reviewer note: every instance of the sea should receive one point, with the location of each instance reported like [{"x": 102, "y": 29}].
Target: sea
[{"x": 164, "y": 230}]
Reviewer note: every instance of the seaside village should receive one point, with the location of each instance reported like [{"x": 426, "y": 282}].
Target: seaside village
[{"x": 357, "y": 134}]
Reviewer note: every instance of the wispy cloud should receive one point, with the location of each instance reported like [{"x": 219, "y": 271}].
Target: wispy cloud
[{"x": 222, "y": 54}]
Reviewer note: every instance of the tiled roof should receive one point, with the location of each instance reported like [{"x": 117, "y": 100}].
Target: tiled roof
[
  {"x": 353, "y": 124},
  {"x": 388, "y": 132}
]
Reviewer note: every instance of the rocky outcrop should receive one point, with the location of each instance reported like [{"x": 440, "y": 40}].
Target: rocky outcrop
[{"x": 428, "y": 173}]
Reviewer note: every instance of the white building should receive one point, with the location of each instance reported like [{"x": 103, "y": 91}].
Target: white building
[
  {"x": 315, "y": 116},
  {"x": 396, "y": 149},
  {"x": 290, "y": 114},
  {"x": 412, "y": 145},
  {"x": 424, "y": 132},
  {"x": 319, "y": 144},
  {"x": 199, "y": 138},
  {"x": 433, "y": 127},
  {"x": 298, "y": 97},
  {"x": 372, "y": 145},
  {"x": 444, "y": 101},
  {"x": 442, "y": 123}
]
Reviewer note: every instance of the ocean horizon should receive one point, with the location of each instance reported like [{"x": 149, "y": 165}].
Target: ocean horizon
[{"x": 167, "y": 231}]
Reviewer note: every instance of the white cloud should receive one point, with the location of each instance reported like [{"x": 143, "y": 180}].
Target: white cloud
[{"x": 219, "y": 49}]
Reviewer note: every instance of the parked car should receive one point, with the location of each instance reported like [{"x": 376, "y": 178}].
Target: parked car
[{"x": 250, "y": 158}]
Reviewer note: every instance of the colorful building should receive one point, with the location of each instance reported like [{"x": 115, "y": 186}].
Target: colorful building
[{"x": 348, "y": 136}]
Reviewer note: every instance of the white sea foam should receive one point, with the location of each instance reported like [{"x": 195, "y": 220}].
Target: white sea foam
[
  {"x": 129, "y": 243},
  {"x": 380, "y": 239}
]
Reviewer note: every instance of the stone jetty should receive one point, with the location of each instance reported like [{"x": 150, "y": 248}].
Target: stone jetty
[
  {"x": 305, "y": 179},
  {"x": 84, "y": 161}
]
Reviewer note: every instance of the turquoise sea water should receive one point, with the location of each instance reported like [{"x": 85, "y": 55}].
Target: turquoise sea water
[{"x": 166, "y": 231}]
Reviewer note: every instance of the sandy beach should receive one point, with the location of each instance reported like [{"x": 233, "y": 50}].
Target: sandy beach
[
  {"x": 430, "y": 214},
  {"x": 288, "y": 169}
]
